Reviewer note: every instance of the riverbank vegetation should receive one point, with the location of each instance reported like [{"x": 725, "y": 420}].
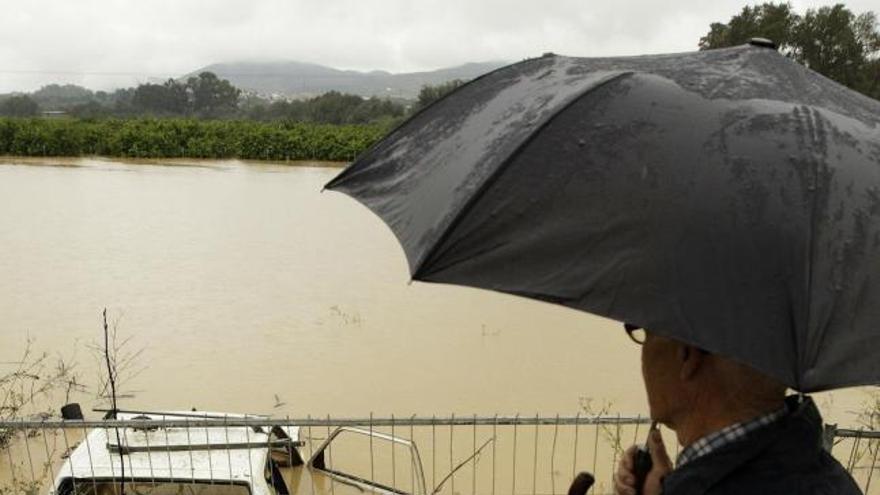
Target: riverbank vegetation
[{"x": 189, "y": 138}]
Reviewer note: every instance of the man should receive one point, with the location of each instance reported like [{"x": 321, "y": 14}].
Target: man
[{"x": 739, "y": 432}]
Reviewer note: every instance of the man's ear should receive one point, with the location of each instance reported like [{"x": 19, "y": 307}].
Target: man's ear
[{"x": 691, "y": 359}]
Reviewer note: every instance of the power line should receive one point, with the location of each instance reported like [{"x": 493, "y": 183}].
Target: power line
[
  {"x": 333, "y": 75},
  {"x": 84, "y": 73}
]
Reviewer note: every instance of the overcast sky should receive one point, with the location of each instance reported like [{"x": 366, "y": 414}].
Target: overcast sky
[{"x": 103, "y": 44}]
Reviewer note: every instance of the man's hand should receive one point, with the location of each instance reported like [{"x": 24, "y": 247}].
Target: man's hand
[{"x": 625, "y": 479}]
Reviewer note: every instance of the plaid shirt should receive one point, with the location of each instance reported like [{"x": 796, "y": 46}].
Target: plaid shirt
[{"x": 725, "y": 436}]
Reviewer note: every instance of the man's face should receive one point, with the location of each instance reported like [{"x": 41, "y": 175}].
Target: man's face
[{"x": 661, "y": 365}]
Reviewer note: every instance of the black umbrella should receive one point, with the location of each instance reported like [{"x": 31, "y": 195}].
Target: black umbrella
[{"x": 728, "y": 198}]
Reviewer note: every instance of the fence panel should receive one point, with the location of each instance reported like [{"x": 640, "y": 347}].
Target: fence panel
[{"x": 456, "y": 455}]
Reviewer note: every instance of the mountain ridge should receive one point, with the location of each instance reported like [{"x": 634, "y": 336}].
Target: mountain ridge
[{"x": 292, "y": 79}]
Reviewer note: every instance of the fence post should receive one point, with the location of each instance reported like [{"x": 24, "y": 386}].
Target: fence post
[{"x": 828, "y": 434}]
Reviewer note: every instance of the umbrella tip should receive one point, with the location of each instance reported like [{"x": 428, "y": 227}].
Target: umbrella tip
[{"x": 763, "y": 43}]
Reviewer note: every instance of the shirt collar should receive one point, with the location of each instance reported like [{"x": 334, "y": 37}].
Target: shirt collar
[{"x": 726, "y": 436}]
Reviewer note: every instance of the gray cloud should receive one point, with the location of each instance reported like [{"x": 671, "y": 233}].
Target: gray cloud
[{"x": 112, "y": 43}]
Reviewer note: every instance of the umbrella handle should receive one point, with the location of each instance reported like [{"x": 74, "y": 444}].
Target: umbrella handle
[
  {"x": 582, "y": 482},
  {"x": 642, "y": 465}
]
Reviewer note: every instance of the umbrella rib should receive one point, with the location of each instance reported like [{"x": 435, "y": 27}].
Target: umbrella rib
[
  {"x": 419, "y": 271},
  {"x": 811, "y": 249}
]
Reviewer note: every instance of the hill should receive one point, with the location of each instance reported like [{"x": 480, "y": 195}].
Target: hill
[{"x": 302, "y": 79}]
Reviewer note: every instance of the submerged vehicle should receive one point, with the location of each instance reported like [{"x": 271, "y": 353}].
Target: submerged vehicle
[{"x": 194, "y": 459}]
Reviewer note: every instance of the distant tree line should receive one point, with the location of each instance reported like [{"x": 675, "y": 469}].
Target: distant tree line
[
  {"x": 330, "y": 108},
  {"x": 202, "y": 96},
  {"x": 207, "y": 96},
  {"x": 831, "y": 40}
]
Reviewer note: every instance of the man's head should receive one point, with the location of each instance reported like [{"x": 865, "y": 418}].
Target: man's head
[{"x": 687, "y": 385}]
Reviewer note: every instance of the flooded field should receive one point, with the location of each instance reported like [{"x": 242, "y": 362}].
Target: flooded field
[
  {"x": 248, "y": 289},
  {"x": 242, "y": 287}
]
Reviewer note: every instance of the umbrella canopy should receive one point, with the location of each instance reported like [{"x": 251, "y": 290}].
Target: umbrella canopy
[{"x": 729, "y": 199}]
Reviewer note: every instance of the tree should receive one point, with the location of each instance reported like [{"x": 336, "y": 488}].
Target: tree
[
  {"x": 170, "y": 98},
  {"x": 212, "y": 96},
  {"x": 333, "y": 107},
  {"x": 775, "y": 22},
  {"x": 830, "y": 40},
  {"x": 429, "y": 94},
  {"x": 61, "y": 97},
  {"x": 122, "y": 101},
  {"x": 19, "y": 106},
  {"x": 872, "y": 79},
  {"x": 374, "y": 110},
  {"x": 838, "y": 44}
]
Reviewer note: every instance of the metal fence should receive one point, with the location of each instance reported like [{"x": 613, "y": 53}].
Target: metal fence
[
  {"x": 857, "y": 450},
  {"x": 455, "y": 455}
]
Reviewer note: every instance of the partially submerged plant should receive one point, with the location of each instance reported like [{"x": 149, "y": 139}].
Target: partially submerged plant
[
  {"x": 29, "y": 389},
  {"x": 27, "y": 386},
  {"x": 119, "y": 360}
]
